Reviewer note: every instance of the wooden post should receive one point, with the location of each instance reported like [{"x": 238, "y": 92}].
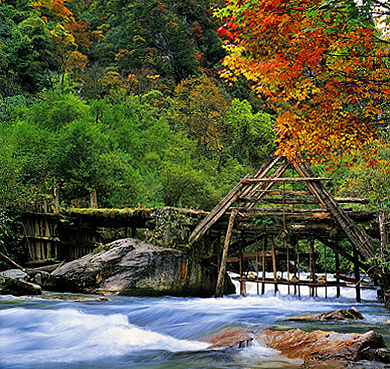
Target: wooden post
[
  {"x": 337, "y": 261},
  {"x": 288, "y": 270},
  {"x": 357, "y": 274},
  {"x": 326, "y": 287},
  {"x": 274, "y": 264},
  {"x": 310, "y": 273},
  {"x": 257, "y": 267},
  {"x": 299, "y": 275},
  {"x": 94, "y": 203},
  {"x": 313, "y": 268},
  {"x": 263, "y": 266},
  {"x": 383, "y": 248},
  {"x": 219, "y": 288},
  {"x": 56, "y": 200},
  {"x": 241, "y": 270}
]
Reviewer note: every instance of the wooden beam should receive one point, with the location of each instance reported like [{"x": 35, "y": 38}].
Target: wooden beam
[
  {"x": 288, "y": 216},
  {"x": 219, "y": 288},
  {"x": 357, "y": 274},
  {"x": 355, "y": 233},
  {"x": 278, "y": 192},
  {"x": 301, "y": 200},
  {"x": 292, "y": 179}
]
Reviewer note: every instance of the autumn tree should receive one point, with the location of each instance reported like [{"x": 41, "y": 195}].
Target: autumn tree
[
  {"x": 322, "y": 67},
  {"x": 201, "y": 108}
]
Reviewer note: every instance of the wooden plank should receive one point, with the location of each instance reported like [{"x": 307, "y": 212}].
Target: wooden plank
[
  {"x": 226, "y": 202},
  {"x": 292, "y": 179},
  {"x": 219, "y": 288}
]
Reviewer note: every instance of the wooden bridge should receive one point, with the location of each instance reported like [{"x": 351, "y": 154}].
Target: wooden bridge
[{"x": 275, "y": 214}]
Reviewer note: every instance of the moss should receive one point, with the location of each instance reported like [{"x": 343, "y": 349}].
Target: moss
[
  {"x": 110, "y": 213},
  {"x": 100, "y": 249}
]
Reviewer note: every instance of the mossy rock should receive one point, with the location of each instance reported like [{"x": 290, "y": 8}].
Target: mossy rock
[{"x": 9, "y": 286}]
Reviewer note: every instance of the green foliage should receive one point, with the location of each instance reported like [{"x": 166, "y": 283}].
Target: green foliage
[
  {"x": 10, "y": 236},
  {"x": 371, "y": 182}
]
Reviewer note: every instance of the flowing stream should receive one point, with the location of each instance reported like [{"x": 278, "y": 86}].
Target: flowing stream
[{"x": 55, "y": 331}]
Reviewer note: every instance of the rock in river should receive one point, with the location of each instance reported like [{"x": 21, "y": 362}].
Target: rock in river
[
  {"x": 341, "y": 314},
  {"x": 319, "y": 347},
  {"x": 10, "y": 286},
  {"x": 131, "y": 267}
]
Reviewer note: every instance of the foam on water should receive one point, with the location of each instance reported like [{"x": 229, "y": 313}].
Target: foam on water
[{"x": 64, "y": 335}]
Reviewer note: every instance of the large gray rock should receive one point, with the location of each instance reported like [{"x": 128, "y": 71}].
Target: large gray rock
[{"x": 131, "y": 267}]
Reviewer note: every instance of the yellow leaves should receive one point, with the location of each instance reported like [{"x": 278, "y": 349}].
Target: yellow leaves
[
  {"x": 35, "y": 4},
  {"x": 123, "y": 53},
  {"x": 152, "y": 77},
  {"x": 131, "y": 77}
]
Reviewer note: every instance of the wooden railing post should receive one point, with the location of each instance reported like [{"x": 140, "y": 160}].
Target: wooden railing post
[
  {"x": 94, "y": 201},
  {"x": 56, "y": 200}
]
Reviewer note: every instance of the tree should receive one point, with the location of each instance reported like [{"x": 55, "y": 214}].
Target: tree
[
  {"x": 322, "y": 67},
  {"x": 201, "y": 107}
]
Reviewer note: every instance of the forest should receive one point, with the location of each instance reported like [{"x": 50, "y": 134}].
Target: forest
[{"x": 155, "y": 103}]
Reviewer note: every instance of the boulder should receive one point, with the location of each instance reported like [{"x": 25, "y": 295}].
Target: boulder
[
  {"x": 318, "y": 346},
  {"x": 342, "y": 314},
  {"x": 131, "y": 267},
  {"x": 15, "y": 274},
  {"x": 9, "y": 286}
]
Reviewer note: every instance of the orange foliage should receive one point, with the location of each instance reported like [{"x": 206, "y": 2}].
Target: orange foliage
[{"x": 323, "y": 75}]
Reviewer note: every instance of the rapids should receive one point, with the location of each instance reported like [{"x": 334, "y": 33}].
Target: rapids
[{"x": 53, "y": 331}]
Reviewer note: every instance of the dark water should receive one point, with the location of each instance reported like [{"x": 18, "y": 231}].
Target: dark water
[{"x": 168, "y": 332}]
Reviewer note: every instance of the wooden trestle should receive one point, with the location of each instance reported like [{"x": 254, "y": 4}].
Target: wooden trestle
[{"x": 299, "y": 208}]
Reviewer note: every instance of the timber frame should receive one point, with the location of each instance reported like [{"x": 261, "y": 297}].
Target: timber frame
[{"x": 286, "y": 200}]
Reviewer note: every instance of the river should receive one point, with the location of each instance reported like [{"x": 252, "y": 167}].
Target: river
[{"x": 54, "y": 331}]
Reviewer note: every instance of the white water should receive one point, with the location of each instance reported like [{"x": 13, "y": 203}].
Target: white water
[{"x": 167, "y": 332}]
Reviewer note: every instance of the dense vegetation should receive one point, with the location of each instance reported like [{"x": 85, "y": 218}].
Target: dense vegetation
[
  {"x": 121, "y": 97},
  {"x": 125, "y": 97}
]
